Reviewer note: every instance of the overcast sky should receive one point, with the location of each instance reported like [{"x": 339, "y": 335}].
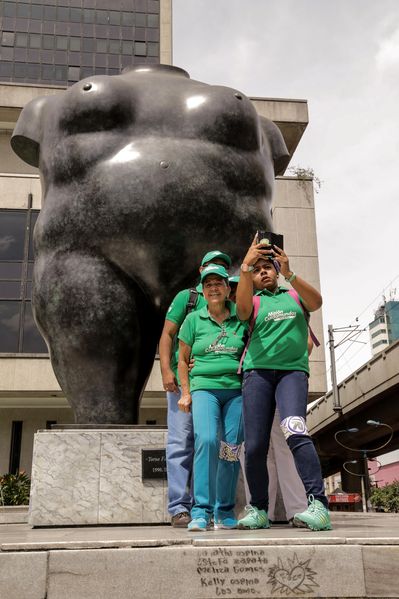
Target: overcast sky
[{"x": 342, "y": 56}]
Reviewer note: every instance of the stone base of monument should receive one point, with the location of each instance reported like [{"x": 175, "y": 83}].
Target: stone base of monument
[{"x": 107, "y": 475}]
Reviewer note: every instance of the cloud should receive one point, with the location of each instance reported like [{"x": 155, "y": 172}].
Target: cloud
[{"x": 388, "y": 53}]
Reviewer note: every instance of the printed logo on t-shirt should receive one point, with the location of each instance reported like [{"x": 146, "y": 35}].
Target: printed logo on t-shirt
[
  {"x": 219, "y": 348},
  {"x": 277, "y": 315}
]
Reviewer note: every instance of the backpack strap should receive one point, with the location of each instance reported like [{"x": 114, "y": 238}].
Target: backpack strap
[
  {"x": 255, "y": 311},
  {"x": 192, "y": 300},
  {"x": 296, "y": 298}
]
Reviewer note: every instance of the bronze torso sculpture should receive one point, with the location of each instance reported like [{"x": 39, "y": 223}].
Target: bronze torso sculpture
[{"x": 142, "y": 173}]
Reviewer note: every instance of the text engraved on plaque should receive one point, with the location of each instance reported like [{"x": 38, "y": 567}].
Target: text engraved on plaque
[
  {"x": 153, "y": 464},
  {"x": 247, "y": 572}
]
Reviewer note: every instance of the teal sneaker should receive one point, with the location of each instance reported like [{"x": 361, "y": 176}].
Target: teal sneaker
[
  {"x": 315, "y": 517},
  {"x": 198, "y": 525},
  {"x": 225, "y": 523},
  {"x": 254, "y": 519}
]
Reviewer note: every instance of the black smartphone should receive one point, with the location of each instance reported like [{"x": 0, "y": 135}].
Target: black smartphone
[{"x": 269, "y": 240}]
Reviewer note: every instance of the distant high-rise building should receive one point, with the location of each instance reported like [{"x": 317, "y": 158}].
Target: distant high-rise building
[
  {"x": 58, "y": 42},
  {"x": 384, "y": 329}
]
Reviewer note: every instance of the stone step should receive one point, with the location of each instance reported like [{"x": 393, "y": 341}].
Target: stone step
[{"x": 357, "y": 559}]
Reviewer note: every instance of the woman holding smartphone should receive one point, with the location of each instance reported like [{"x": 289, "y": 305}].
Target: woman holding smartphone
[
  {"x": 276, "y": 370},
  {"x": 214, "y": 337}
]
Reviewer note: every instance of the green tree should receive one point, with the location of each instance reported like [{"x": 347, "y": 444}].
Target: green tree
[
  {"x": 305, "y": 173},
  {"x": 386, "y": 498}
]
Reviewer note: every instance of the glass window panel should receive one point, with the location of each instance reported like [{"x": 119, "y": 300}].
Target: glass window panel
[
  {"x": 9, "y": 9},
  {"x": 141, "y": 20},
  {"x": 33, "y": 218},
  {"x": 140, "y": 49},
  {"x": 7, "y": 38},
  {"x": 100, "y": 71},
  {"x": 21, "y": 40},
  {"x": 37, "y": 11},
  {"x": 48, "y": 42},
  {"x": 11, "y": 270},
  {"x": 5, "y": 69},
  {"x": 30, "y": 271},
  {"x": 128, "y": 19},
  {"x": 76, "y": 15},
  {"x": 10, "y": 290},
  {"x": 33, "y": 71},
  {"x": 33, "y": 342},
  {"x": 19, "y": 71},
  {"x": 28, "y": 290},
  {"x": 20, "y": 25},
  {"x": 153, "y": 49},
  {"x": 114, "y": 46},
  {"x": 7, "y": 53},
  {"x": 114, "y": 17},
  {"x": 74, "y": 44},
  {"x": 88, "y": 45},
  {"x": 50, "y": 13},
  {"x": 63, "y": 14},
  {"x": 61, "y": 43},
  {"x": 87, "y": 72},
  {"x": 102, "y": 17},
  {"x": 47, "y": 72},
  {"x": 20, "y": 54},
  {"x": 153, "y": 20},
  {"x": 88, "y": 15},
  {"x": 9, "y": 326},
  {"x": 12, "y": 233},
  {"x": 23, "y": 10},
  {"x": 73, "y": 74},
  {"x": 127, "y": 48},
  {"x": 61, "y": 73},
  {"x": 34, "y": 40},
  {"x": 101, "y": 45}
]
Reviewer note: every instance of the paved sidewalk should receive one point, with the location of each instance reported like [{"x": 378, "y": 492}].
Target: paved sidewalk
[{"x": 348, "y": 528}]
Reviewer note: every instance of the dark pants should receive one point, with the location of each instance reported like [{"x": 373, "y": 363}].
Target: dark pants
[{"x": 262, "y": 390}]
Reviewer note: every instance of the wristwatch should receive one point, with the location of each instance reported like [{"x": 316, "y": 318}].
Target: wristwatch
[{"x": 246, "y": 267}]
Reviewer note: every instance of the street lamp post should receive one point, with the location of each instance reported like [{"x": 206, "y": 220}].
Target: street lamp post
[{"x": 364, "y": 476}]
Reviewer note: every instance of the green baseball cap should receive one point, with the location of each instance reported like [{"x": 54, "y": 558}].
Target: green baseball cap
[
  {"x": 214, "y": 269},
  {"x": 234, "y": 280},
  {"x": 210, "y": 256}
]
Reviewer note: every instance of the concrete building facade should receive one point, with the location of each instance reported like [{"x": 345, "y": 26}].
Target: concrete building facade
[{"x": 30, "y": 397}]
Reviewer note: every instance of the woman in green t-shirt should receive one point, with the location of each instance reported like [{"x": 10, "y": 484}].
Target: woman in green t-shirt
[
  {"x": 213, "y": 336},
  {"x": 276, "y": 370}
]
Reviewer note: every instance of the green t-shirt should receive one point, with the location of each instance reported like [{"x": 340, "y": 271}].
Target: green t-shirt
[
  {"x": 216, "y": 348},
  {"x": 279, "y": 340},
  {"x": 177, "y": 312}
]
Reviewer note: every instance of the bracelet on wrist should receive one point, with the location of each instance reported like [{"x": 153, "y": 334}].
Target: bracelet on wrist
[{"x": 291, "y": 278}]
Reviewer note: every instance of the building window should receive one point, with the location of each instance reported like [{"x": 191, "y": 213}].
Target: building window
[
  {"x": 381, "y": 342},
  {"x": 140, "y": 49},
  {"x": 7, "y": 38},
  {"x": 380, "y": 332},
  {"x": 15, "y": 446},
  {"x": 18, "y": 331}
]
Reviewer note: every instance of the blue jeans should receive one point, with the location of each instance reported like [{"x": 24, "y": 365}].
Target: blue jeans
[
  {"x": 217, "y": 416},
  {"x": 179, "y": 456},
  {"x": 262, "y": 390}
]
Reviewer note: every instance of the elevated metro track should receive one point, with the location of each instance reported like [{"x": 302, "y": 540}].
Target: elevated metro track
[{"x": 371, "y": 392}]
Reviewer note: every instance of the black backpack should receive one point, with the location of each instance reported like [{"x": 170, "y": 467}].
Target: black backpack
[{"x": 192, "y": 300}]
